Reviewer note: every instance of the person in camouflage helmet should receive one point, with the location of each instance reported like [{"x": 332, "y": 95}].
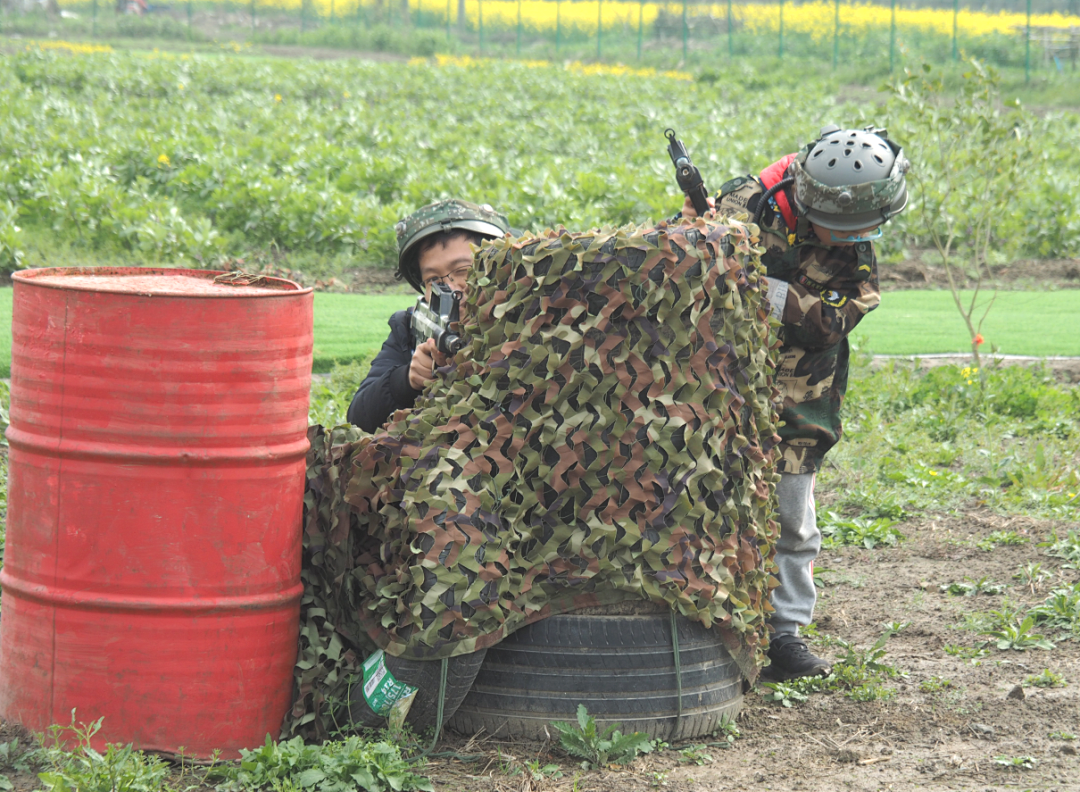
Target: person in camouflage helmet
[
  {"x": 434, "y": 246},
  {"x": 819, "y": 211}
]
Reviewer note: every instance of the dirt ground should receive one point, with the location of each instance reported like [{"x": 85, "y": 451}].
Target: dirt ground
[{"x": 946, "y": 738}]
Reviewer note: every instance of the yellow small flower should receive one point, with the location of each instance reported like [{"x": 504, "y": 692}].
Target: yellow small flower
[
  {"x": 277, "y": 97},
  {"x": 346, "y": 95},
  {"x": 163, "y": 160},
  {"x": 181, "y": 86},
  {"x": 933, "y": 472}
]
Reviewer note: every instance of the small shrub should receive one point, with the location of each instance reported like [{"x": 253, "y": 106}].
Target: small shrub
[
  {"x": 83, "y": 769},
  {"x": 1066, "y": 548},
  {"x": 696, "y": 754},
  {"x": 969, "y": 588},
  {"x": 785, "y": 693},
  {"x": 1016, "y": 762},
  {"x": 1045, "y": 679},
  {"x": 1059, "y": 611},
  {"x": 1017, "y": 634},
  {"x": 965, "y": 652},
  {"x": 859, "y": 532},
  {"x": 598, "y": 749},
  {"x": 330, "y": 767},
  {"x": 935, "y": 684},
  {"x": 998, "y": 538},
  {"x": 1033, "y": 576}
]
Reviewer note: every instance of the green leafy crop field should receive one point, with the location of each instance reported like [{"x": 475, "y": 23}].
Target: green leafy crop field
[{"x": 197, "y": 159}]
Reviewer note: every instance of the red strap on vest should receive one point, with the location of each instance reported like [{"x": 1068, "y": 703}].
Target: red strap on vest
[{"x": 770, "y": 176}]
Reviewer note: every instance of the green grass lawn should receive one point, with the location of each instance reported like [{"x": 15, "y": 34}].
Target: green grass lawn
[
  {"x": 352, "y": 326},
  {"x": 927, "y": 322}
]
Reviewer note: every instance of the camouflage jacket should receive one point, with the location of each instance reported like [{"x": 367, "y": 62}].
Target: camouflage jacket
[{"x": 830, "y": 289}]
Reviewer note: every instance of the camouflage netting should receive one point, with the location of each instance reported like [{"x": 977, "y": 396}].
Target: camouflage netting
[{"x": 606, "y": 436}]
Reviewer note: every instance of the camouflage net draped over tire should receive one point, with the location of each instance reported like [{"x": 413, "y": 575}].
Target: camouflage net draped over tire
[{"x": 605, "y": 436}]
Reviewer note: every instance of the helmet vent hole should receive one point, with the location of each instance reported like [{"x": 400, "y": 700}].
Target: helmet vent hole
[
  {"x": 858, "y": 165},
  {"x": 847, "y": 152},
  {"x": 817, "y": 153},
  {"x": 878, "y": 159},
  {"x": 832, "y": 162}
]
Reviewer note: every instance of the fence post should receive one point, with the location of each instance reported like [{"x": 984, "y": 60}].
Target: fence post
[
  {"x": 955, "y": 15},
  {"x": 781, "y": 54},
  {"x": 892, "y": 39},
  {"x": 640, "y": 18},
  {"x": 1027, "y": 46},
  {"x": 558, "y": 24},
  {"x": 836, "y": 36},
  {"x": 599, "y": 25},
  {"x": 519, "y": 29},
  {"x": 685, "y": 31},
  {"x": 730, "y": 43}
]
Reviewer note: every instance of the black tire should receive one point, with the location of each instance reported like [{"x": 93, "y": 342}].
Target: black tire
[
  {"x": 424, "y": 676},
  {"x": 620, "y": 667}
]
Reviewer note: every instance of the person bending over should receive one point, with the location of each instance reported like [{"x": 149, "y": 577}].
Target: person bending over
[{"x": 819, "y": 211}]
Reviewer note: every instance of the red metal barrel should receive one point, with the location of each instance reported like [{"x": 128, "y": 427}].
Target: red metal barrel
[{"x": 152, "y": 564}]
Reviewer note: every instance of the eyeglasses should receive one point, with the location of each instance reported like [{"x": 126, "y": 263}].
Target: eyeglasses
[
  {"x": 875, "y": 234},
  {"x": 459, "y": 275}
]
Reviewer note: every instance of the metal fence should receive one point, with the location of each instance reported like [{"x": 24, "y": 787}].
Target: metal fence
[{"x": 1032, "y": 34}]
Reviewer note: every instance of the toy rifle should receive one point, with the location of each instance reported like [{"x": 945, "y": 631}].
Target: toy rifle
[
  {"x": 687, "y": 174},
  {"x": 433, "y": 320}
]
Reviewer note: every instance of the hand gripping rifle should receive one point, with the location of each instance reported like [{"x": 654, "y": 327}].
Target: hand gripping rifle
[
  {"x": 687, "y": 174},
  {"x": 433, "y": 320}
]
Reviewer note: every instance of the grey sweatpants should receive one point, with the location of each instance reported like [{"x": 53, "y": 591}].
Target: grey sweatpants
[{"x": 800, "y": 541}]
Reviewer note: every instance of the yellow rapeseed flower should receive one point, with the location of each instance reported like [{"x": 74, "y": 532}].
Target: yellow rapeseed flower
[
  {"x": 163, "y": 160},
  {"x": 815, "y": 17},
  {"x": 606, "y": 69},
  {"x": 72, "y": 47},
  {"x": 277, "y": 97}
]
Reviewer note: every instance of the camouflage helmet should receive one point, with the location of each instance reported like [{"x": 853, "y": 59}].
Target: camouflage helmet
[
  {"x": 449, "y": 215},
  {"x": 850, "y": 179}
]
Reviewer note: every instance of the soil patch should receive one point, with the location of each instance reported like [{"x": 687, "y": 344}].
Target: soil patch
[{"x": 1044, "y": 274}]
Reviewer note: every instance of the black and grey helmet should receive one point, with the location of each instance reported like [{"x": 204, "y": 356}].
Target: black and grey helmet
[
  {"x": 449, "y": 215},
  {"x": 850, "y": 179}
]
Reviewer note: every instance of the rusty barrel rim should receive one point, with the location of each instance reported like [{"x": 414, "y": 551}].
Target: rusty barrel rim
[{"x": 269, "y": 286}]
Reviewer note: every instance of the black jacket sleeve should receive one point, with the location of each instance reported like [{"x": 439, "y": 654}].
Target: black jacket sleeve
[{"x": 386, "y": 387}]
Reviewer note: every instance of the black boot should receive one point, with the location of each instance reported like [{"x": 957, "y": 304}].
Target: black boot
[{"x": 791, "y": 660}]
